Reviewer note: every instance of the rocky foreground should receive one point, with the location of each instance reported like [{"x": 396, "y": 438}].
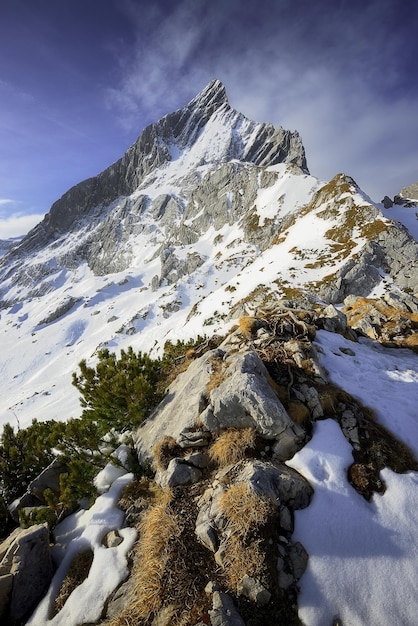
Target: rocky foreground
[{"x": 215, "y": 512}]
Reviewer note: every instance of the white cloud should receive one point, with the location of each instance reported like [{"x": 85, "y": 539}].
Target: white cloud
[
  {"x": 6, "y": 201},
  {"x": 15, "y": 225}
]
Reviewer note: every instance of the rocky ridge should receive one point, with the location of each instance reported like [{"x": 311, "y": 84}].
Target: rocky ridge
[
  {"x": 208, "y": 220},
  {"x": 237, "y": 414}
]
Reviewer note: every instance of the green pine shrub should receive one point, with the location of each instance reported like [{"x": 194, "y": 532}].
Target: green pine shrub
[
  {"x": 118, "y": 393},
  {"x": 117, "y": 396}
]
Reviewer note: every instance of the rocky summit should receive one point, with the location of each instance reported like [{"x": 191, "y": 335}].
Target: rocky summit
[{"x": 291, "y": 290}]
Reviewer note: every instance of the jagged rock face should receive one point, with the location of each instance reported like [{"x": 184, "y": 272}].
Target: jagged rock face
[
  {"x": 247, "y": 141},
  {"x": 216, "y": 210}
]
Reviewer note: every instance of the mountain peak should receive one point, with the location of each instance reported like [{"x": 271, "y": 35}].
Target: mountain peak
[
  {"x": 213, "y": 95},
  {"x": 205, "y": 132}
]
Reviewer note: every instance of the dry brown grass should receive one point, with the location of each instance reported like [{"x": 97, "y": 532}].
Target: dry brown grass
[
  {"x": 412, "y": 342},
  {"x": 299, "y": 412},
  {"x": 157, "y": 529},
  {"x": 143, "y": 489},
  {"x": 77, "y": 573},
  {"x": 232, "y": 446},
  {"x": 165, "y": 450},
  {"x": 244, "y": 509},
  {"x": 241, "y": 558},
  {"x": 364, "y": 305},
  {"x": 246, "y": 513},
  {"x": 218, "y": 374},
  {"x": 395, "y": 326},
  {"x": 249, "y": 325}
]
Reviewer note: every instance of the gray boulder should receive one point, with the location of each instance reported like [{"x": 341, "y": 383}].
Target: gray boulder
[
  {"x": 34, "y": 496},
  {"x": 410, "y": 192},
  {"x": 185, "y": 400},
  {"x": 333, "y": 320},
  {"x": 245, "y": 399},
  {"x": 402, "y": 301},
  {"x": 25, "y": 571},
  {"x": 178, "y": 472},
  {"x": 278, "y": 482},
  {"x": 387, "y": 202}
]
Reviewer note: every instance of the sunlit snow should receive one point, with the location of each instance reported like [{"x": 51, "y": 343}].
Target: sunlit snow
[{"x": 363, "y": 557}]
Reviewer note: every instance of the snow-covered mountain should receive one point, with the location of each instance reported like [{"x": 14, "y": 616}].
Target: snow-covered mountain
[
  {"x": 206, "y": 208},
  {"x": 207, "y": 216}
]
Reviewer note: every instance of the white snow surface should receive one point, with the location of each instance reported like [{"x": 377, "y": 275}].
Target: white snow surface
[
  {"x": 121, "y": 309},
  {"x": 77, "y": 533},
  {"x": 363, "y": 556},
  {"x": 408, "y": 216}
]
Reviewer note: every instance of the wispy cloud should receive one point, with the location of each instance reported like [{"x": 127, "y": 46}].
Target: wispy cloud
[{"x": 13, "y": 223}]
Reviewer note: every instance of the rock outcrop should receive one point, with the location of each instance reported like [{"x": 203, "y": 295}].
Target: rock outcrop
[
  {"x": 221, "y": 391},
  {"x": 25, "y": 572},
  {"x": 33, "y": 498}
]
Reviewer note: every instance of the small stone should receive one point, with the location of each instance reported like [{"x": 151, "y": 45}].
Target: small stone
[
  {"x": 220, "y": 555},
  {"x": 285, "y": 580},
  {"x": 347, "y": 351},
  {"x": 224, "y": 612},
  {"x": 286, "y": 521},
  {"x": 299, "y": 559},
  {"x": 198, "y": 439},
  {"x": 211, "y": 587},
  {"x": 253, "y": 590},
  {"x": 177, "y": 473},
  {"x": 207, "y": 536},
  {"x": 112, "y": 539},
  {"x": 198, "y": 459}
]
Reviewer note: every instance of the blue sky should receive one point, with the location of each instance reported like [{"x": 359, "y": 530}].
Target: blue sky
[{"x": 80, "y": 79}]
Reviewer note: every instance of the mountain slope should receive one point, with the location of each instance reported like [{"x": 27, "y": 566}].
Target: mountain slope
[
  {"x": 206, "y": 208},
  {"x": 207, "y": 217}
]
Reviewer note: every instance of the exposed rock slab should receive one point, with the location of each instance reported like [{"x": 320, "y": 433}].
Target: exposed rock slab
[
  {"x": 243, "y": 399},
  {"x": 25, "y": 571}
]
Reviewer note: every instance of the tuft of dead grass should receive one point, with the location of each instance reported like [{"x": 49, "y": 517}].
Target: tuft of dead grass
[
  {"x": 157, "y": 529},
  {"x": 248, "y": 325},
  {"x": 232, "y": 446},
  {"x": 246, "y": 513},
  {"x": 77, "y": 573},
  {"x": 165, "y": 450},
  {"x": 144, "y": 489},
  {"x": 412, "y": 341},
  {"x": 218, "y": 374}
]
